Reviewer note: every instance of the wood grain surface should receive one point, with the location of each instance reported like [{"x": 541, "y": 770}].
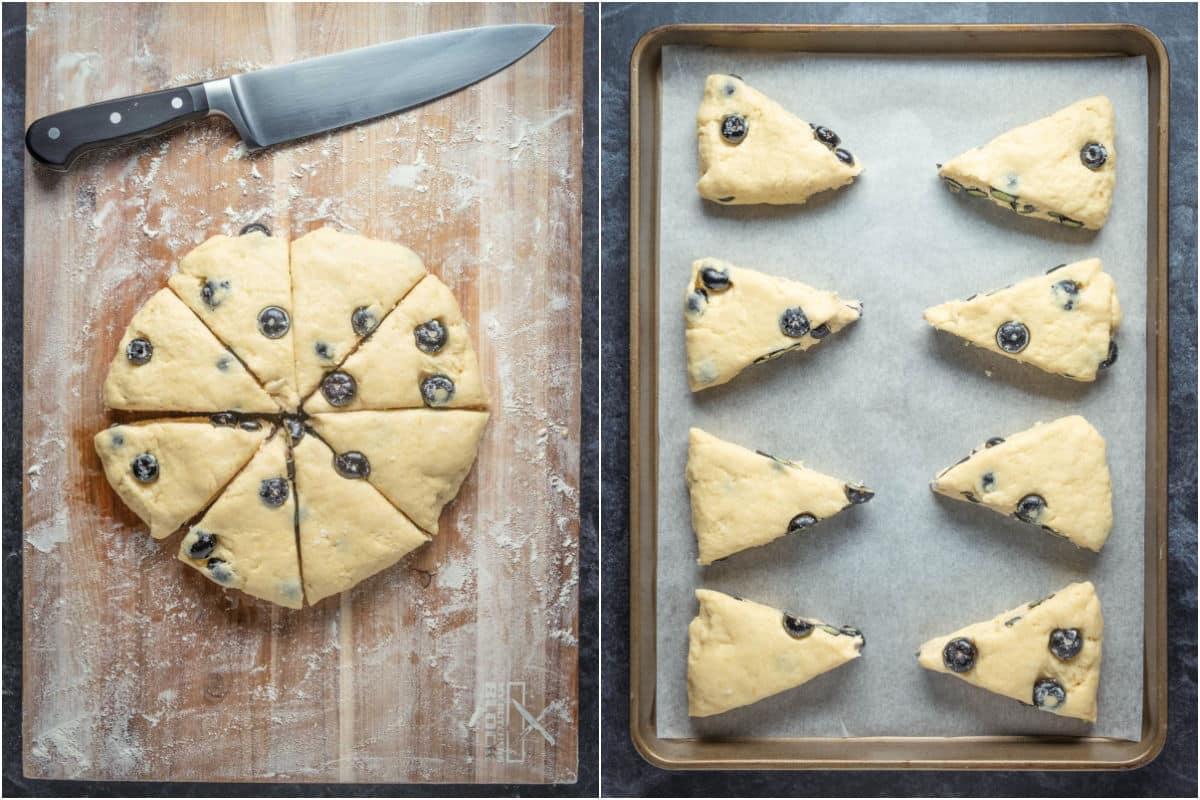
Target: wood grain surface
[{"x": 458, "y": 664}]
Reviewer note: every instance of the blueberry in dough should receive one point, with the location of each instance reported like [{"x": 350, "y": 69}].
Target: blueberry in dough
[
  {"x": 431, "y": 336},
  {"x": 1066, "y": 294},
  {"x": 826, "y": 136},
  {"x": 959, "y": 655},
  {"x": 139, "y": 351},
  {"x": 734, "y": 128},
  {"x": 1012, "y": 337},
  {"x": 339, "y": 388},
  {"x": 857, "y": 493},
  {"x": 203, "y": 543},
  {"x": 1065, "y": 643},
  {"x": 273, "y": 322},
  {"x": 273, "y": 492},
  {"x": 363, "y": 321},
  {"x": 800, "y": 522},
  {"x": 437, "y": 390},
  {"x": 220, "y": 571},
  {"x": 1112, "y": 355},
  {"x": 794, "y": 322},
  {"x": 1049, "y": 694},
  {"x": 714, "y": 279},
  {"x": 1030, "y": 508},
  {"x": 1093, "y": 155},
  {"x": 797, "y": 628},
  {"x": 352, "y": 464},
  {"x": 145, "y": 468}
]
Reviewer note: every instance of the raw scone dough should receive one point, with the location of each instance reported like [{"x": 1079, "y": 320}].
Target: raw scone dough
[
  {"x": 418, "y": 458},
  {"x": 1061, "y": 168},
  {"x": 247, "y": 539},
  {"x": 277, "y": 307},
  {"x": 1054, "y": 475},
  {"x": 1045, "y": 654},
  {"x": 190, "y": 461},
  {"x": 241, "y": 287},
  {"x": 778, "y": 157},
  {"x": 423, "y": 338},
  {"x": 348, "y": 530},
  {"x": 187, "y": 369},
  {"x": 1062, "y": 322},
  {"x": 736, "y": 317},
  {"x": 740, "y": 652},
  {"x": 743, "y": 499},
  {"x": 342, "y": 288}
]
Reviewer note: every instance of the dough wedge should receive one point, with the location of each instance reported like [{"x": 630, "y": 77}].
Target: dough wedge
[
  {"x": 348, "y": 530},
  {"x": 1063, "y": 322},
  {"x": 247, "y": 538},
  {"x": 418, "y": 458},
  {"x": 740, "y": 652},
  {"x": 736, "y": 317},
  {"x": 778, "y": 158},
  {"x": 390, "y": 369},
  {"x": 1013, "y": 653},
  {"x": 187, "y": 368},
  {"x": 742, "y": 499},
  {"x": 1061, "y": 168},
  {"x": 1054, "y": 475},
  {"x": 335, "y": 275},
  {"x": 229, "y": 282},
  {"x": 193, "y": 459}
]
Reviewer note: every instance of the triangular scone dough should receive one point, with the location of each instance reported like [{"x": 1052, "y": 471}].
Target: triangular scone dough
[
  {"x": 390, "y": 368},
  {"x": 736, "y": 317},
  {"x": 187, "y": 368},
  {"x": 1045, "y": 654},
  {"x": 743, "y": 499},
  {"x": 1054, "y": 475},
  {"x": 740, "y": 652},
  {"x": 418, "y": 458},
  {"x": 247, "y": 539},
  {"x": 1062, "y": 322},
  {"x": 340, "y": 281},
  {"x": 191, "y": 460},
  {"x": 348, "y": 530},
  {"x": 779, "y": 160},
  {"x": 1042, "y": 169},
  {"x": 241, "y": 287}
]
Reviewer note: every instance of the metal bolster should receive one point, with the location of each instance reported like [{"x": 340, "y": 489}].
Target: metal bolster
[{"x": 222, "y": 101}]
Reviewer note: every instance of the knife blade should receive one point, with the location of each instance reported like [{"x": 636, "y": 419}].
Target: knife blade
[{"x": 291, "y": 101}]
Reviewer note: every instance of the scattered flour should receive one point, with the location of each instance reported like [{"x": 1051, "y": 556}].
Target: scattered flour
[{"x": 172, "y": 651}]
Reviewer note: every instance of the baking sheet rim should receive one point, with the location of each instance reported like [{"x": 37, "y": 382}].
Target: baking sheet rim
[{"x": 968, "y": 41}]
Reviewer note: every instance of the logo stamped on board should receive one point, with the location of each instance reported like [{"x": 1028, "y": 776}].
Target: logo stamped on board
[{"x": 508, "y": 721}]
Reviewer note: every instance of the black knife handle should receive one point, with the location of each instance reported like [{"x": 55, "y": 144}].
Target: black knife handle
[{"x": 59, "y": 139}]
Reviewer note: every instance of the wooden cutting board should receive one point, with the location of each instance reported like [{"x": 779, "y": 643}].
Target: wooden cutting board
[{"x": 458, "y": 664}]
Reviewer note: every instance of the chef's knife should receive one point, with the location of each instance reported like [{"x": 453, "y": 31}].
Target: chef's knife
[{"x": 278, "y": 104}]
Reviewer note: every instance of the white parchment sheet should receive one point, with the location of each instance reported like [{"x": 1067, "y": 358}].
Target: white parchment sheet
[{"x": 889, "y": 401}]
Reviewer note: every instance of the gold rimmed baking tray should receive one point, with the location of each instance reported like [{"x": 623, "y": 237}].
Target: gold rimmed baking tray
[{"x": 891, "y": 752}]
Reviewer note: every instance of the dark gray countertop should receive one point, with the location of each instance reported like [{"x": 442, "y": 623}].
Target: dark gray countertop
[
  {"x": 14, "y": 783},
  {"x": 1174, "y": 772}
]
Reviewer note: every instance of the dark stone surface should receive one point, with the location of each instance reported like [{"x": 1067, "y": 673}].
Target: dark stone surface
[
  {"x": 1174, "y": 772},
  {"x": 14, "y": 783}
]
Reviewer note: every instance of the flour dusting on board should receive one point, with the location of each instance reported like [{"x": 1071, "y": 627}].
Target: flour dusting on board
[{"x": 416, "y": 651}]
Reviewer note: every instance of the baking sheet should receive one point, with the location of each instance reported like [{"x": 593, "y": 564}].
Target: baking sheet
[{"x": 889, "y": 401}]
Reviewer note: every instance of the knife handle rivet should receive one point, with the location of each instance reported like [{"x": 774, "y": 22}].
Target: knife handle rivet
[
  {"x": 114, "y": 117},
  {"x": 176, "y": 102},
  {"x": 54, "y": 133}
]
